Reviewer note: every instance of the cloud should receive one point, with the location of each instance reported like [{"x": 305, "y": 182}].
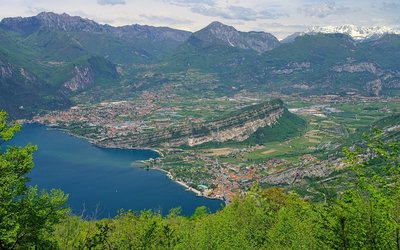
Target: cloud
[
  {"x": 390, "y": 6},
  {"x": 191, "y": 3},
  {"x": 323, "y": 10},
  {"x": 32, "y": 10},
  {"x": 165, "y": 20},
  {"x": 110, "y": 2},
  {"x": 234, "y": 12},
  {"x": 281, "y": 30}
]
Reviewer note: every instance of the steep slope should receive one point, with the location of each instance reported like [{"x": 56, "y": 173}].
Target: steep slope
[
  {"x": 311, "y": 64},
  {"x": 34, "y": 78},
  {"x": 334, "y": 63},
  {"x": 238, "y": 126},
  {"x": 22, "y": 93},
  {"x": 218, "y": 33},
  {"x": 54, "y": 56},
  {"x": 139, "y": 43}
]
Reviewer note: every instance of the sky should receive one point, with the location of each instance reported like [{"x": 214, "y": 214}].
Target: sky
[{"x": 279, "y": 17}]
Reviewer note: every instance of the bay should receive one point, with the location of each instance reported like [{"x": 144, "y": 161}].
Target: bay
[{"x": 100, "y": 181}]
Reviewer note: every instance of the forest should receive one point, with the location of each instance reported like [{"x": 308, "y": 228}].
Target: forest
[{"x": 364, "y": 216}]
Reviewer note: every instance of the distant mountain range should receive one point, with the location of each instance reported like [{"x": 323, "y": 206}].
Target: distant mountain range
[
  {"x": 46, "y": 60},
  {"x": 357, "y": 33}
]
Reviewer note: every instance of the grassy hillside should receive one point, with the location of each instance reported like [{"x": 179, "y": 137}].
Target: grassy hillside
[
  {"x": 288, "y": 126},
  {"x": 310, "y": 65}
]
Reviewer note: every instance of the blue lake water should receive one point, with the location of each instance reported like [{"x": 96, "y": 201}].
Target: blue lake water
[{"x": 102, "y": 181}]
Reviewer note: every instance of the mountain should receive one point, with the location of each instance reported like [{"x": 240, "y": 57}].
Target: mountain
[
  {"x": 310, "y": 65},
  {"x": 48, "y": 59},
  {"x": 132, "y": 43},
  {"x": 67, "y": 23},
  {"x": 332, "y": 64},
  {"x": 219, "y": 33},
  {"x": 356, "y": 32},
  {"x": 292, "y": 37},
  {"x": 62, "y": 22}
]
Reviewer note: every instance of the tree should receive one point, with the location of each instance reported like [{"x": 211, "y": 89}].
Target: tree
[
  {"x": 27, "y": 218},
  {"x": 366, "y": 216}
]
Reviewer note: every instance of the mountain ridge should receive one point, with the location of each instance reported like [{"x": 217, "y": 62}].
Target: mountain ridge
[
  {"x": 68, "y": 23},
  {"x": 217, "y": 32},
  {"x": 39, "y": 57},
  {"x": 357, "y": 33}
]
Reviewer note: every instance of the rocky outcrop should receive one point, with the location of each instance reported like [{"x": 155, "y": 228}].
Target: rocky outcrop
[
  {"x": 6, "y": 70},
  {"x": 385, "y": 79},
  {"x": 358, "y": 67},
  {"x": 238, "y": 132},
  {"x": 238, "y": 126},
  {"x": 393, "y": 84},
  {"x": 82, "y": 78},
  {"x": 27, "y": 75},
  {"x": 219, "y": 33},
  {"x": 295, "y": 175},
  {"x": 374, "y": 87},
  {"x": 292, "y": 67}
]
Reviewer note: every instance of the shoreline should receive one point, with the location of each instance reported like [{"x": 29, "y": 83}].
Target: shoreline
[
  {"x": 188, "y": 188},
  {"x": 158, "y": 151},
  {"x": 92, "y": 141},
  {"x": 155, "y": 150}
]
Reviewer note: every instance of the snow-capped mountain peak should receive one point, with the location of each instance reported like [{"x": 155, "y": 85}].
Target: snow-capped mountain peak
[{"x": 356, "y": 32}]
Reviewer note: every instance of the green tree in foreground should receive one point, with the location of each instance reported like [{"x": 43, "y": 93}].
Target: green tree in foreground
[
  {"x": 364, "y": 216},
  {"x": 27, "y": 218}
]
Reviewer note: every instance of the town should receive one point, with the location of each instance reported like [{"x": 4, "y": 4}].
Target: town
[{"x": 222, "y": 170}]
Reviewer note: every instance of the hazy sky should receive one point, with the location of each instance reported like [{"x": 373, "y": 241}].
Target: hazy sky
[{"x": 279, "y": 17}]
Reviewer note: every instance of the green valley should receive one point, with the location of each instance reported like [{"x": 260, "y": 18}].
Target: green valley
[{"x": 299, "y": 137}]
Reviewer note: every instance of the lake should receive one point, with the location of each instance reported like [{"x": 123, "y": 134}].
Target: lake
[{"x": 102, "y": 181}]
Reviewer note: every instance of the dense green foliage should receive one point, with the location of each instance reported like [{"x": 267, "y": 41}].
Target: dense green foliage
[
  {"x": 365, "y": 216},
  {"x": 27, "y": 218},
  {"x": 288, "y": 126},
  {"x": 308, "y": 65}
]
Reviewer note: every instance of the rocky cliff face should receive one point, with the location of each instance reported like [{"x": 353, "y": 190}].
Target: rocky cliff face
[
  {"x": 6, "y": 70},
  {"x": 292, "y": 67},
  {"x": 28, "y": 76},
  {"x": 384, "y": 78},
  {"x": 374, "y": 87},
  {"x": 296, "y": 175},
  {"x": 238, "y": 132},
  {"x": 82, "y": 78},
  {"x": 238, "y": 127},
  {"x": 358, "y": 67},
  {"x": 219, "y": 33}
]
